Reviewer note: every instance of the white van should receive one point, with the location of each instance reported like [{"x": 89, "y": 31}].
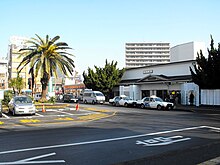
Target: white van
[{"x": 93, "y": 97}]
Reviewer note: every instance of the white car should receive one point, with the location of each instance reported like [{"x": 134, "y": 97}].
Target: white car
[
  {"x": 126, "y": 101},
  {"x": 154, "y": 102},
  {"x": 116, "y": 99},
  {"x": 37, "y": 96},
  {"x": 21, "y": 105}
]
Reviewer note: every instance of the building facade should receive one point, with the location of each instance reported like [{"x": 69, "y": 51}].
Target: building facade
[
  {"x": 186, "y": 51},
  {"x": 17, "y": 43},
  {"x": 3, "y": 73},
  {"x": 162, "y": 80},
  {"x": 145, "y": 54}
]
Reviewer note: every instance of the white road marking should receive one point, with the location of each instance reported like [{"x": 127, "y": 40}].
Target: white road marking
[
  {"x": 105, "y": 140},
  {"x": 39, "y": 115},
  {"x": 29, "y": 160},
  {"x": 161, "y": 141},
  {"x": 6, "y": 116}
]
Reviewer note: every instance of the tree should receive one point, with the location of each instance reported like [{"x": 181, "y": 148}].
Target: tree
[
  {"x": 103, "y": 79},
  {"x": 45, "y": 57},
  {"x": 17, "y": 84},
  {"x": 206, "y": 69}
]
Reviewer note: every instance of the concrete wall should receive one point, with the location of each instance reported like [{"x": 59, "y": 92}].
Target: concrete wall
[{"x": 210, "y": 97}]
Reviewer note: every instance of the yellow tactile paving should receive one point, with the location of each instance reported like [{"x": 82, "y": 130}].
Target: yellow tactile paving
[
  {"x": 1, "y": 122},
  {"x": 93, "y": 116},
  {"x": 64, "y": 118},
  {"x": 97, "y": 110},
  {"x": 30, "y": 121}
]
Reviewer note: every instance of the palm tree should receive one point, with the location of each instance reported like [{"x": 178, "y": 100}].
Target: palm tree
[{"x": 45, "y": 57}]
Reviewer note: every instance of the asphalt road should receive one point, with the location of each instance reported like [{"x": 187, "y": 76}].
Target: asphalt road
[{"x": 125, "y": 136}]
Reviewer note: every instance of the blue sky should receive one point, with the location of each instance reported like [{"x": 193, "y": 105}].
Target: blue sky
[{"x": 98, "y": 29}]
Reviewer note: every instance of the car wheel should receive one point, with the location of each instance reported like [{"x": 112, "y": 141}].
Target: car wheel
[
  {"x": 93, "y": 102},
  {"x": 114, "y": 104},
  {"x": 126, "y": 104},
  {"x": 142, "y": 106},
  {"x": 159, "y": 107},
  {"x": 85, "y": 101}
]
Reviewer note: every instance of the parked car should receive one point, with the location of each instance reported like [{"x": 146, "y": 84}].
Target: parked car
[
  {"x": 154, "y": 102},
  {"x": 93, "y": 97},
  {"x": 115, "y": 101},
  {"x": 1, "y": 109},
  {"x": 69, "y": 98},
  {"x": 126, "y": 101},
  {"x": 37, "y": 96},
  {"x": 21, "y": 105}
]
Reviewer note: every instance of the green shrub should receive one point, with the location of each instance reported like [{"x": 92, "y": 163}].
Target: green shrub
[
  {"x": 7, "y": 97},
  {"x": 52, "y": 100}
]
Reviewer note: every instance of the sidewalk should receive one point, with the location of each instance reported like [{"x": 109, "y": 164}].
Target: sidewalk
[{"x": 200, "y": 109}]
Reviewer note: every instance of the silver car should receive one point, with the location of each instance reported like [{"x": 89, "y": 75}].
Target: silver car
[{"x": 21, "y": 105}]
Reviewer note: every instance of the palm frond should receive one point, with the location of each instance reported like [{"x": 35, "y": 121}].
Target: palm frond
[
  {"x": 41, "y": 40},
  {"x": 55, "y": 39}
]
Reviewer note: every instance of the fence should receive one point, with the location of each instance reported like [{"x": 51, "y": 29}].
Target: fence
[{"x": 210, "y": 97}]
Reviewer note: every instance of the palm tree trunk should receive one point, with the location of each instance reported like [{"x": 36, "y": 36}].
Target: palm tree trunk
[{"x": 44, "y": 83}]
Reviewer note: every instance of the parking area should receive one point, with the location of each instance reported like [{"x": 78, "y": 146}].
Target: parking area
[{"x": 55, "y": 116}]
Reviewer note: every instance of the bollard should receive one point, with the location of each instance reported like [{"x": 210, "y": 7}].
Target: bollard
[{"x": 77, "y": 106}]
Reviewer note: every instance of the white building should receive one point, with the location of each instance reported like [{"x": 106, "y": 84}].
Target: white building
[
  {"x": 146, "y": 53},
  {"x": 186, "y": 51},
  {"x": 167, "y": 79},
  {"x": 160, "y": 79}
]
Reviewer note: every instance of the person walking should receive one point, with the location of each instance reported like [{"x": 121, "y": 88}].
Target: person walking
[{"x": 191, "y": 98}]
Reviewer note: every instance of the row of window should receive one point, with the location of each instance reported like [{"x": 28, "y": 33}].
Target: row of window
[
  {"x": 147, "y": 44},
  {"x": 146, "y": 61},
  {"x": 147, "y": 52},
  {"x": 146, "y": 57},
  {"x": 167, "y": 48}
]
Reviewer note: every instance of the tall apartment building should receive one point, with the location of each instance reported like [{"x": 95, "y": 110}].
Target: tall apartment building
[
  {"x": 15, "y": 44},
  {"x": 146, "y": 53}
]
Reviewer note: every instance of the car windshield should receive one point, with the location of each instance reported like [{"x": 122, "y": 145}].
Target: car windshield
[
  {"x": 158, "y": 99},
  {"x": 98, "y": 94},
  {"x": 22, "y": 100},
  {"x": 127, "y": 98}
]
